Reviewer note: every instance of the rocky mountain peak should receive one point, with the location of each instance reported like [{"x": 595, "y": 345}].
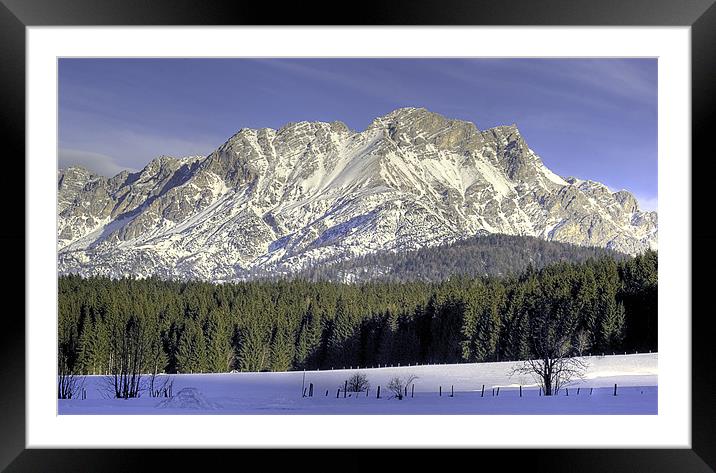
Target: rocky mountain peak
[{"x": 309, "y": 192}]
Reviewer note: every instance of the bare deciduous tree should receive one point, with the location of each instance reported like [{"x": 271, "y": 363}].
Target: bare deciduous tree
[
  {"x": 358, "y": 382},
  {"x": 582, "y": 342},
  {"x": 160, "y": 385},
  {"x": 554, "y": 368},
  {"x": 397, "y": 385},
  {"x": 128, "y": 359},
  {"x": 69, "y": 385}
]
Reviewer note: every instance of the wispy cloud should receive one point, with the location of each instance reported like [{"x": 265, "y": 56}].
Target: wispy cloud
[
  {"x": 648, "y": 203},
  {"x": 99, "y": 163},
  {"x": 130, "y": 147},
  {"x": 378, "y": 81}
]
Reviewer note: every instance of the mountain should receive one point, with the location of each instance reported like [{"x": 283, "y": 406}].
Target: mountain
[{"x": 289, "y": 199}]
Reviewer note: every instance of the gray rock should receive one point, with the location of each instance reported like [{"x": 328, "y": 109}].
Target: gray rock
[{"x": 282, "y": 200}]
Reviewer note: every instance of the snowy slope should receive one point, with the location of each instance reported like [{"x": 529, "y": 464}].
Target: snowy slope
[
  {"x": 281, "y": 393},
  {"x": 282, "y": 200}
]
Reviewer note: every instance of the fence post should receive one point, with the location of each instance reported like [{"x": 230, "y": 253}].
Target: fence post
[
  {"x": 520, "y": 390},
  {"x": 345, "y": 389},
  {"x": 378, "y": 396},
  {"x": 498, "y": 390},
  {"x": 310, "y": 390},
  {"x": 493, "y": 392},
  {"x": 441, "y": 390},
  {"x": 326, "y": 392},
  {"x": 304, "y": 392},
  {"x": 412, "y": 391},
  {"x": 578, "y": 391},
  {"x": 366, "y": 391},
  {"x": 590, "y": 391},
  {"x": 338, "y": 393},
  {"x": 482, "y": 394},
  {"x": 567, "y": 391},
  {"x": 452, "y": 390},
  {"x": 615, "y": 389}
]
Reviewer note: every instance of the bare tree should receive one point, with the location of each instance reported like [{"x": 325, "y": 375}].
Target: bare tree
[
  {"x": 160, "y": 385},
  {"x": 554, "y": 368},
  {"x": 582, "y": 342},
  {"x": 69, "y": 385},
  {"x": 551, "y": 332},
  {"x": 358, "y": 382},
  {"x": 397, "y": 385},
  {"x": 128, "y": 359}
]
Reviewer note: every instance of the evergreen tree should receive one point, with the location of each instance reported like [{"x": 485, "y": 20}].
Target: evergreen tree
[
  {"x": 282, "y": 349},
  {"x": 309, "y": 338},
  {"x": 341, "y": 331},
  {"x": 254, "y": 348},
  {"x": 191, "y": 355},
  {"x": 219, "y": 353}
]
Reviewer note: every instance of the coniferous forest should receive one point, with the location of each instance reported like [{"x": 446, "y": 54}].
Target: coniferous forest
[
  {"x": 486, "y": 255},
  {"x": 603, "y": 304}
]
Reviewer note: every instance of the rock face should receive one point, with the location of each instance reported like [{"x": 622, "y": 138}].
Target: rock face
[{"x": 282, "y": 200}]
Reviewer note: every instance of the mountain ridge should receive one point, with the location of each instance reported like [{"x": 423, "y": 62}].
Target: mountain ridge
[{"x": 312, "y": 191}]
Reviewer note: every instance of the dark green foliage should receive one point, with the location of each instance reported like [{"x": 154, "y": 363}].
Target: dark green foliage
[
  {"x": 639, "y": 293},
  {"x": 191, "y": 355},
  {"x": 489, "y": 255},
  {"x": 599, "y": 305},
  {"x": 219, "y": 353}
]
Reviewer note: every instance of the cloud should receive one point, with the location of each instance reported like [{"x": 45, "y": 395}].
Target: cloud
[
  {"x": 380, "y": 80},
  {"x": 648, "y": 203},
  {"x": 91, "y": 141},
  {"x": 622, "y": 78},
  {"x": 96, "y": 162}
]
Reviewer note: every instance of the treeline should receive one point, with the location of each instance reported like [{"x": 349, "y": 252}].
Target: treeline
[
  {"x": 603, "y": 305},
  {"x": 487, "y": 255}
]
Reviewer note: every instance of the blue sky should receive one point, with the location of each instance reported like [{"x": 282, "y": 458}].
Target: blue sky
[{"x": 589, "y": 118}]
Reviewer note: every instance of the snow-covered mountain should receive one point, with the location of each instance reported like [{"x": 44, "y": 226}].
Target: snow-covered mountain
[{"x": 282, "y": 200}]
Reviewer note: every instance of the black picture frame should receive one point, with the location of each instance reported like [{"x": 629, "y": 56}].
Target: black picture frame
[{"x": 16, "y": 15}]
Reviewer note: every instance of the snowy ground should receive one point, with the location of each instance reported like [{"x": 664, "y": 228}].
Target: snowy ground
[{"x": 281, "y": 393}]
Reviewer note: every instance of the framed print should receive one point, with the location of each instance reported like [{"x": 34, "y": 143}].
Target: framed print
[{"x": 429, "y": 229}]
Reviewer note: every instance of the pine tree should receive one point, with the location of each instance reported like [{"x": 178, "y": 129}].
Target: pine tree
[
  {"x": 612, "y": 326},
  {"x": 341, "y": 331},
  {"x": 218, "y": 346},
  {"x": 282, "y": 349},
  {"x": 191, "y": 355},
  {"x": 254, "y": 348},
  {"x": 309, "y": 338}
]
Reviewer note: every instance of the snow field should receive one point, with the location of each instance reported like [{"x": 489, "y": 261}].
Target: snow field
[{"x": 281, "y": 392}]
